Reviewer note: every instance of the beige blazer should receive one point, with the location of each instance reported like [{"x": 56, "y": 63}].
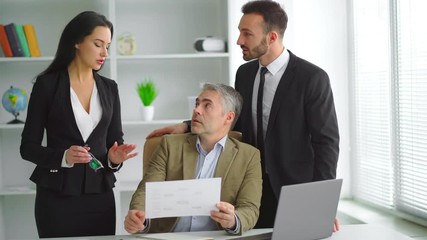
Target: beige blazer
[{"x": 239, "y": 167}]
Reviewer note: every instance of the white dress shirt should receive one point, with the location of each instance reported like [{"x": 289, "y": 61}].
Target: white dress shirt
[{"x": 272, "y": 79}]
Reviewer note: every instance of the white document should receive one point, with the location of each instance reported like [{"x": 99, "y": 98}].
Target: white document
[{"x": 196, "y": 197}]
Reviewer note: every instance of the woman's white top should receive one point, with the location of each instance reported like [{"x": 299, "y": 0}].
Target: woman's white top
[{"x": 86, "y": 121}]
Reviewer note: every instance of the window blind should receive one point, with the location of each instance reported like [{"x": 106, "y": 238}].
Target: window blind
[
  {"x": 411, "y": 89},
  {"x": 390, "y": 104},
  {"x": 373, "y": 180}
]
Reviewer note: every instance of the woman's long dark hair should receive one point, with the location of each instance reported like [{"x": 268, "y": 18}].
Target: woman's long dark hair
[{"x": 76, "y": 30}]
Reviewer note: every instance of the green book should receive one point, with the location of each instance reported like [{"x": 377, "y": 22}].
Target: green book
[{"x": 22, "y": 40}]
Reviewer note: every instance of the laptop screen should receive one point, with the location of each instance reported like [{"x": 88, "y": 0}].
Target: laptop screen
[{"x": 307, "y": 211}]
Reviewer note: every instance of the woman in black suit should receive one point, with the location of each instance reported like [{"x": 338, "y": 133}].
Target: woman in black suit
[{"x": 80, "y": 112}]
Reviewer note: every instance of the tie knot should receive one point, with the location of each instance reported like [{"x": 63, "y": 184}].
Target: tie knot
[{"x": 263, "y": 70}]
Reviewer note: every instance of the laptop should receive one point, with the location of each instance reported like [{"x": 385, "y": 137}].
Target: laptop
[{"x": 305, "y": 212}]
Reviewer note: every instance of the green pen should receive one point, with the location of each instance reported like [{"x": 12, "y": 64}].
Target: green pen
[{"x": 94, "y": 163}]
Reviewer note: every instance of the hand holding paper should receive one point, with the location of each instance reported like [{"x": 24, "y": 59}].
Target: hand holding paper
[{"x": 134, "y": 221}]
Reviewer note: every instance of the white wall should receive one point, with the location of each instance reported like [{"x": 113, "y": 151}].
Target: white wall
[
  {"x": 234, "y": 15},
  {"x": 318, "y": 32}
]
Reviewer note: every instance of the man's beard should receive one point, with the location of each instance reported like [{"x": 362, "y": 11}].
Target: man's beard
[{"x": 258, "y": 51}]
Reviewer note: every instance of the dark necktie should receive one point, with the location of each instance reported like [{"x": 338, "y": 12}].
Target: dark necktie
[{"x": 260, "y": 134}]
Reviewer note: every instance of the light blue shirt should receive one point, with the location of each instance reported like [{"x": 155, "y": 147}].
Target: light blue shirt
[{"x": 206, "y": 165}]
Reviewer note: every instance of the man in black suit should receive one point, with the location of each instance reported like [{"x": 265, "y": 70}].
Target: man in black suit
[
  {"x": 300, "y": 130},
  {"x": 299, "y": 139}
]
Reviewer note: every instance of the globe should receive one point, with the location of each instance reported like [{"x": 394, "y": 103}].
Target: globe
[{"x": 15, "y": 100}]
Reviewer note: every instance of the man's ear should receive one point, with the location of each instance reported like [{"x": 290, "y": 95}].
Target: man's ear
[
  {"x": 77, "y": 46},
  {"x": 230, "y": 117},
  {"x": 272, "y": 36}
]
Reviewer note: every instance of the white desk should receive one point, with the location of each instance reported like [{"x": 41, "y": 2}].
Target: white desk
[
  {"x": 347, "y": 232},
  {"x": 367, "y": 232}
]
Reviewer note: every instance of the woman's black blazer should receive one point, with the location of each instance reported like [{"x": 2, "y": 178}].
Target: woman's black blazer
[{"x": 50, "y": 110}]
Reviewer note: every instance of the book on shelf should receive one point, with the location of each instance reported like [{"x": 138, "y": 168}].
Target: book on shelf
[
  {"x": 4, "y": 42},
  {"x": 33, "y": 45},
  {"x": 22, "y": 40},
  {"x": 15, "y": 45}
]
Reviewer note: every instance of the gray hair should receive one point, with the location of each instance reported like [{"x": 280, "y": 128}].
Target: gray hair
[{"x": 231, "y": 100}]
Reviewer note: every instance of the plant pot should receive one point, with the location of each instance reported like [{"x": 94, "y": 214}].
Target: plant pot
[{"x": 147, "y": 113}]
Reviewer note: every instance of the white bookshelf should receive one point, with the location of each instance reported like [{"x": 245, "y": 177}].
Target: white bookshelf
[{"x": 164, "y": 31}]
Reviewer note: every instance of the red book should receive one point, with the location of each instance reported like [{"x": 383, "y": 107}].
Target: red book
[{"x": 4, "y": 42}]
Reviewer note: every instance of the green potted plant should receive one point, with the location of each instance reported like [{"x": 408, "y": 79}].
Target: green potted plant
[{"x": 147, "y": 92}]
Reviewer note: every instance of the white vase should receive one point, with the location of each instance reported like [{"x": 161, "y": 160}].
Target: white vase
[{"x": 147, "y": 113}]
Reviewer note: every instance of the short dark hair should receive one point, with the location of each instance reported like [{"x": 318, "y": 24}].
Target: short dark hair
[
  {"x": 273, "y": 14},
  {"x": 76, "y": 30}
]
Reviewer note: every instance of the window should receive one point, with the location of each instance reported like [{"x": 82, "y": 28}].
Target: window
[{"x": 390, "y": 104}]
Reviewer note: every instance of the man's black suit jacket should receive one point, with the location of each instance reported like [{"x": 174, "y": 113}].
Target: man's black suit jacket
[
  {"x": 302, "y": 139},
  {"x": 50, "y": 110}
]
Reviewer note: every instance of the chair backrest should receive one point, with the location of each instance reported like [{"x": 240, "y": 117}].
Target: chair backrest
[{"x": 151, "y": 144}]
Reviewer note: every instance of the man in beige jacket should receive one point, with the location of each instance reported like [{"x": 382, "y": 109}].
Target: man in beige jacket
[{"x": 206, "y": 152}]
